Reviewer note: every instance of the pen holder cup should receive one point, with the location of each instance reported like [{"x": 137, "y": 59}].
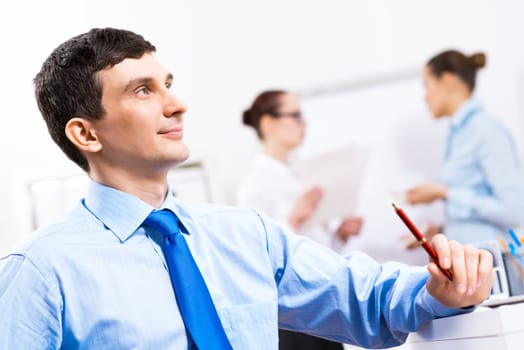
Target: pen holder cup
[{"x": 514, "y": 267}]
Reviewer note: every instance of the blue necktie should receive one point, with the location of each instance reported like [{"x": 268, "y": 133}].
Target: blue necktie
[{"x": 194, "y": 301}]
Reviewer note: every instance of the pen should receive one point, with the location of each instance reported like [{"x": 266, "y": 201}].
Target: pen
[{"x": 421, "y": 239}]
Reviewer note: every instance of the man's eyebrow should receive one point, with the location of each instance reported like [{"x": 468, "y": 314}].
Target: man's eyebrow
[
  {"x": 144, "y": 81},
  {"x": 136, "y": 82}
]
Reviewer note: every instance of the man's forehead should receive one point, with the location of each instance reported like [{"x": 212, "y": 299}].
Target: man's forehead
[{"x": 146, "y": 66}]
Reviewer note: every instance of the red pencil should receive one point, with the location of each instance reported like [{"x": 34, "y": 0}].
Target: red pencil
[{"x": 421, "y": 239}]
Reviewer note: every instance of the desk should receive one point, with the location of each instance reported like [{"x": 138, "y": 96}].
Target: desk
[
  {"x": 486, "y": 328},
  {"x": 496, "y": 328}
]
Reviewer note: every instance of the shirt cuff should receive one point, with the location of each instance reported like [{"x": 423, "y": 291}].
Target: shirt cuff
[
  {"x": 439, "y": 310},
  {"x": 459, "y": 203}
]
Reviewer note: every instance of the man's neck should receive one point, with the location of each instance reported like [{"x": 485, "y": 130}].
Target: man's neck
[{"x": 150, "y": 188}]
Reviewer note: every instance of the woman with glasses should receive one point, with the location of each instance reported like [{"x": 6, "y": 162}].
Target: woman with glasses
[{"x": 272, "y": 187}]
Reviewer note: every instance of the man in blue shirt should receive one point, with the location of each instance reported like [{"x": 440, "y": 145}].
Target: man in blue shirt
[{"x": 98, "y": 279}]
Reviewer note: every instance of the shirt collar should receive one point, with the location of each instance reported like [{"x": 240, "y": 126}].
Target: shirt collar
[
  {"x": 464, "y": 112},
  {"x": 267, "y": 162},
  {"x": 123, "y": 213}
]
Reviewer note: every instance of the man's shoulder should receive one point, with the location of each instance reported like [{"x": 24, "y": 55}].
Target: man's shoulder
[
  {"x": 50, "y": 237},
  {"x": 229, "y": 218}
]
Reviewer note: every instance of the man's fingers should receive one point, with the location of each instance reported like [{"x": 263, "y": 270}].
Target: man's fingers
[
  {"x": 472, "y": 260},
  {"x": 443, "y": 250},
  {"x": 458, "y": 265},
  {"x": 485, "y": 268},
  {"x": 472, "y": 274},
  {"x": 435, "y": 271}
]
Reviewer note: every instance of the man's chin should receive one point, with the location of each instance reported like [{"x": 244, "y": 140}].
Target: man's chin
[{"x": 180, "y": 158}]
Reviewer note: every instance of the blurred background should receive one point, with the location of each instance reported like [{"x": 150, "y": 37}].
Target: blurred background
[{"x": 356, "y": 65}]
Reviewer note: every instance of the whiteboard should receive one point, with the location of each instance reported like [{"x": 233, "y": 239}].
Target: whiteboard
[{"x": 404, "y": 145}]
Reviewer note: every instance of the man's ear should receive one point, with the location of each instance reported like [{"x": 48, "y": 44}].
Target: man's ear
[{"x": 81, "y": 133}]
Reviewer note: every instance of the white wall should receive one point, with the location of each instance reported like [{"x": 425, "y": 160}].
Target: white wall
[{"x": 222, "y": 53}]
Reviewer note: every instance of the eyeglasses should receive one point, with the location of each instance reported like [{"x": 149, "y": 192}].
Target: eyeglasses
[{"x": 296, "y": 115}]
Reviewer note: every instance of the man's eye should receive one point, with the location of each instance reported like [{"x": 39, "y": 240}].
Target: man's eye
[
  {"x": 168, "y": 85},
  {"x": 144, "y": 90}
]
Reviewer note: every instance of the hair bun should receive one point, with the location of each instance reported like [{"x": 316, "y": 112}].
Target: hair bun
[
  {"x": 478, "y": 60},
  {"x": 246, "y": 118}
]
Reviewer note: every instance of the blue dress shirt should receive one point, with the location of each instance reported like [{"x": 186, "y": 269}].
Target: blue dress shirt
[
  {"x": 97, "y": 280},
  {"x": 482, "y": 173}
]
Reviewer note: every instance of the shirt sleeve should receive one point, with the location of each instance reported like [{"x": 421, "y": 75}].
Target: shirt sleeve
[
  {"x": 504, "y": 203},
  {"x": 30, "y": 314},
  {"x": 349, "y": 299}
]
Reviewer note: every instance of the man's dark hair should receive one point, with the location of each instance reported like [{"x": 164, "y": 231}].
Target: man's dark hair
[{"x": 67, "y": 86}]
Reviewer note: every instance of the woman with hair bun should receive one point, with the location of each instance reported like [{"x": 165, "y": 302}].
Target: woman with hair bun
[{"x": 480, "y": 178}]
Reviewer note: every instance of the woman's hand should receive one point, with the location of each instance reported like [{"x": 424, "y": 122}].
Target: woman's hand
[
  {"x": 349, "y": 227},
  {"x": 304, "y": 207},
  {"x": 426, "y": 193}
]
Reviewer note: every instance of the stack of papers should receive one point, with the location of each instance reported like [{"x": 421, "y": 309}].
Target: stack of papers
[{"x": 339, "y": 173}]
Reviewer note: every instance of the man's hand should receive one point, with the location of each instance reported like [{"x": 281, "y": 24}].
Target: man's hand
[{"x": 472, "y": 273}]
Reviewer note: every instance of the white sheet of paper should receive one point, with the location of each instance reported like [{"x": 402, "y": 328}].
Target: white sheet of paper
[{"x": 338, "y": 173}]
